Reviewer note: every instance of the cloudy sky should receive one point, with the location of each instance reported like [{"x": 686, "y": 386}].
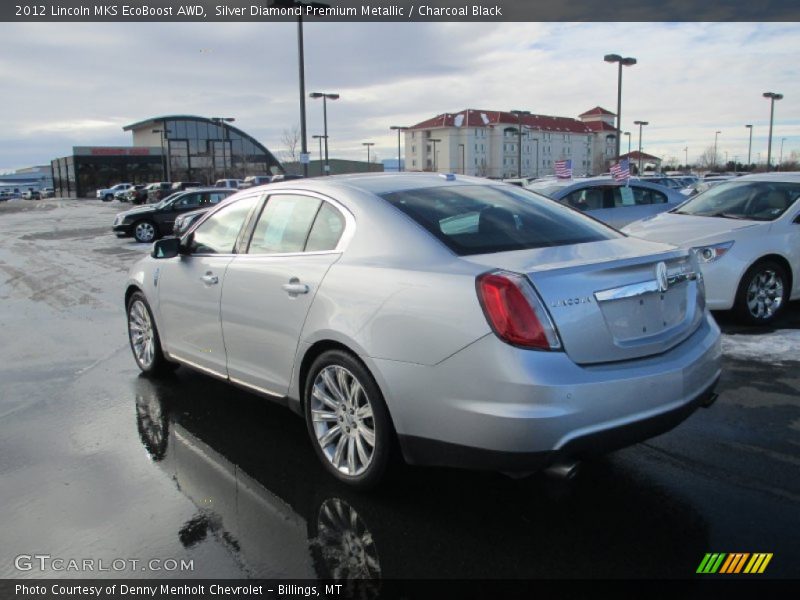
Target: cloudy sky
[{"x": 80, "y": 83}]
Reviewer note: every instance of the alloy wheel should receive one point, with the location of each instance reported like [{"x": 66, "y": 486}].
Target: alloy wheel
[
  {"x": 145, "y": 232},
  {"x": 765, "y": 294},
  {"x": 343, "y": 420},
  {"x": 142, "y": 335}
]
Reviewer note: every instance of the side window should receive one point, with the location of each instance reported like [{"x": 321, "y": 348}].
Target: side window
[
  {"x": 215, "y": 197},
  {"x": 217, "y": 235},
  {"x": 284, "y": 224},
  {"x": 189, "y": 200},
  {"x": 586, "y": 199},
  {"x": 327, "y": 229},
  {"x": 657, "y": 197}
]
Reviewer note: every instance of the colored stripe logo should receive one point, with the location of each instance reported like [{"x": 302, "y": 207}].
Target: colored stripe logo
[{"x": 734, "y": 563}]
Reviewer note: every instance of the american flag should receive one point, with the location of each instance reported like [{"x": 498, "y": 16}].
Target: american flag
[
  {"x": 621, "y": 171},
  {"x": 564, "y": 169}
]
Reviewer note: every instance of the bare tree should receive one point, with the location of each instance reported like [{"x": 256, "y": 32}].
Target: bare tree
[
  {"x": 707, "y": 158},
  {"x": 290, "y": 142}
]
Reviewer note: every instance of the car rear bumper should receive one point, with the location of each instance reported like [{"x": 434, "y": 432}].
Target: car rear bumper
[{"x": 495, "y": 406}]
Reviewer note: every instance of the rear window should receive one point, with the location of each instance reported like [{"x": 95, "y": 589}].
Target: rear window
[{"x": 484, "y": 219}]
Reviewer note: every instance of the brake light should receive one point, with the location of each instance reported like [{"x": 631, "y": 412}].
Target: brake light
[{"x": 515, "y": 312}]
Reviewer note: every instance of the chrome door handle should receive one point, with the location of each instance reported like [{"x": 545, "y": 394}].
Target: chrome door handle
[
  {"x": 210, "y": 279},
  {"x": 294, "y": 287}
]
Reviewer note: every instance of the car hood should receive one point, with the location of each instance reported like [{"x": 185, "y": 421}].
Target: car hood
[
  {"x": 685, "y": 230},
  {"x": 142, "y": 210}
]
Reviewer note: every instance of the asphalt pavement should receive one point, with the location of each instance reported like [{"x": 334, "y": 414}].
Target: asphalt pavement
[{"x": 101, "y": 463}]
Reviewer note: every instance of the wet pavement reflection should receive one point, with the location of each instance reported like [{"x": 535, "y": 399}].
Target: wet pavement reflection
[{"x": 257, "y": 488}]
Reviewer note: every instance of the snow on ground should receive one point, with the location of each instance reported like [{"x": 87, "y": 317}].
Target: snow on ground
[{"x": 782, "y": 345}]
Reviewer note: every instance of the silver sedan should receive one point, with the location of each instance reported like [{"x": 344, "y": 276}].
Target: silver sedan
[{"x": 452, "y": 320}]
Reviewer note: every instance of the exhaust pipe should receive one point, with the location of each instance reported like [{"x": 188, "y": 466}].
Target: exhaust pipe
[{"x": 565, "y": 470}]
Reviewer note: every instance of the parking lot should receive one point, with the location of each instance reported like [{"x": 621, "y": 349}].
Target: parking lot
[{"x": 99, "y": 462}]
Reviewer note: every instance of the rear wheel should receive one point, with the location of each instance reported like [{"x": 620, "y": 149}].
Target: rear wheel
[
  {"x": 108, "y": 198},
  {"x": 143, "y": 337},
  {"x": 145, "y": 231},
  {"x": 762, "y": 293},
  {"x": 347, "y": 419}
]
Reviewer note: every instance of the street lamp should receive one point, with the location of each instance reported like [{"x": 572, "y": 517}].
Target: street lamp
[
  {"x": 434, "y": 141},
  {"x": 749, "y": 145},
  {"x": 325, "y": 97},
  {"x": 628, "y": 133},
  {"x": 519, "y": 114},
  {"x": 627, "y": 62},
  {"x": 398, "y": 128},
  {"x": 164, "y": 157},
  {"x": 780, "y": 160},
  {"x": 301, "y": 69},
  {"x": 640, "y": 124},
  {"x": 686, "y": 157},
  {"x": 772, "y": 97},
  {"x": 368, "y": 145},
  {"x": 221, "y": 121},
  {"x": 320, "y": 138},
  {"x": 716, "y": 135}
]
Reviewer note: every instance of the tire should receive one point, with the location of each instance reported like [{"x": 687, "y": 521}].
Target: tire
[
  {"x": 108, "y": 198},
  {"x": 145, "y": 231},
  {"x": 143, "y": 337},
  {"x": 357, "y": 447},
  {"x": 763, "y": 293}
]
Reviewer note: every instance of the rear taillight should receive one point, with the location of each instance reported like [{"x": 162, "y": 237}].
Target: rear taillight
[{"x": 515, "y": 312}]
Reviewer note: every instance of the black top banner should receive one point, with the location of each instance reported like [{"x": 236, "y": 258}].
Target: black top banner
[{"x": 400, "y": 10}]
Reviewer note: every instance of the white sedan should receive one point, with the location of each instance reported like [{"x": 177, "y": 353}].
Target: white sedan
[{"x": 746, "y": 233}]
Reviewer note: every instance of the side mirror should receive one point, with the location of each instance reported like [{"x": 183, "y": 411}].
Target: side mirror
[{"x": 166, "y": 248}]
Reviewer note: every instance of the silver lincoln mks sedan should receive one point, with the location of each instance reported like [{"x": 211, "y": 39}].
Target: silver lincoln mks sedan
[{"x": 455, "y": 321}]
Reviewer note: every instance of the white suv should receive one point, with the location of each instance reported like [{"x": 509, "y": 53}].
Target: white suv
[{"x": 107, "y": 194}]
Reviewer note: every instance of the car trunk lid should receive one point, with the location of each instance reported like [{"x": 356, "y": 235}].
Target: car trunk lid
[{"x": 612, "y": 300}]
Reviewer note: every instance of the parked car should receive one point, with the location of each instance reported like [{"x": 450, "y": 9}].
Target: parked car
[
  {"x": 158, "y": 191},
  {"x": 107, "y": 194},
  {"x": 285, "y": 177},
  {"x": 148, "y": 223},
  {"x": 136, "y": 195},
  {"x": 746, "y": 233},
  {"x": 47, "y": 192},
  {"x": 254, "y": 180},
  {"x": 471, "y": 323},
  {"x": 228, "y": 183},
  {"x": 179, "y": 186},
  {"x": 701, "y": 185},
  {"x": 184, "y": 222},
  {"x": 31, "y": 194},
  {"x": 613, "y": 202},
  {"x": 669, "y": 182}
]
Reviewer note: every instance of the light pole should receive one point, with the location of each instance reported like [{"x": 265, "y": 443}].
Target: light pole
[
  {"x": 780, "y": 160},
  {"x": 628, "y": 133},
  {"x": 164, "y": 157},
  {"x": 221, "y": 121},
  {"x": 519, "y": 114},
  {"x": 640, "y": 124},
  {"x": 749, "y": 145},
  {"x": 434, "y": 141},
  {"x": 627, "y": 62},
  {"x": 320, "y": 138},
  {"x": 300, "y": 68},
  {"x": 368, "y": 145},
  {"x": 398, "y": 128},
  {"x": 772, "y": 97},
  {"x": 716, "y": 135},
  {"x": 325, "y": 97},
  {"x": 686, "y": 157}
]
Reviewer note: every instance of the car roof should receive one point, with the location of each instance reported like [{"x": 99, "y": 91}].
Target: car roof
[{"x": 789, "y": 176}]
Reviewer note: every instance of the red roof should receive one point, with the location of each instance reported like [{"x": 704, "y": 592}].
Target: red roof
[
  {"x": 644, "y": 156},
  {"x": 600, "y": 126},
  {"x": 597, "y": 110},
  {"x": 471, "y": 117}
]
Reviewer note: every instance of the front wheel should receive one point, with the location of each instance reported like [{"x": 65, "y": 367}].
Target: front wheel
[
  {"x": 347, "y": 419},
  {"x": 762, "y": 293},
  {"x": 143, "y": 336},
  {"x": 145, "y": 231},
  {"x": 108, "y": 198}
]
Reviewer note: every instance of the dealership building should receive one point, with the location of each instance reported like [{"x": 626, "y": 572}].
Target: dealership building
[{"x": 169, "y": 148}]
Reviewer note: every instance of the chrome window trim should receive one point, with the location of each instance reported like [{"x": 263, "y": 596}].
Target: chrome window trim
[{"x": 641, "y": 288}]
